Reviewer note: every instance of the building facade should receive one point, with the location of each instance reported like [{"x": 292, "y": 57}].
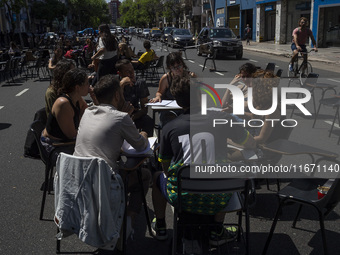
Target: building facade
[{"x": 114, "y": 11}]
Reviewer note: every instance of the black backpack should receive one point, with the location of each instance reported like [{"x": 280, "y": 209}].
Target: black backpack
[{"x": 31, "y": 149}]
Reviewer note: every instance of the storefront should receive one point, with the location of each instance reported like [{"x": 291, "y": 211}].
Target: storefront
[
  {"x": 239, "y": 14},
  {"x": 296, "y": 10},
  {"x": 326, "y": 21}
]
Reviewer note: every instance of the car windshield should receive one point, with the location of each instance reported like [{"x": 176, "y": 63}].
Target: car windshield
[
  {"x": 222, "y": 33},
  {"x": 168, "y": 30},
  {"x": 181, "y": 32},
  {"x": 156, "y": 31},
  {"x": 147, "y": 30}
]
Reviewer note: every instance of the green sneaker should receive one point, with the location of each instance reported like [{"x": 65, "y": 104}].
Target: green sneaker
[
  {"x": 227, "y": 234},
  {"x": 159, "y": 233}
]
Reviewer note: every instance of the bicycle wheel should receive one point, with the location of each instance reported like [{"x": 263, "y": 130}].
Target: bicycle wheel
[{"x": 304, "y": 71}]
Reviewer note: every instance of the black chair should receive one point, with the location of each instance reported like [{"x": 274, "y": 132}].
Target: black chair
[
  {"x": 279, "y": 73},
  {"x": 304, "y": 192},
  {"x": 47, "y": 158},
  {"x": 209, "y": 186},
  {"x": 333, "y": 102},
  {"x": 159, "y": 64},
  {"x": 36, "y": 128},
  {"x": 270, "y": 67}
]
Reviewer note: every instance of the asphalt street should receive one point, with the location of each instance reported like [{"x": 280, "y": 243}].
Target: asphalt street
[{"x": 21, "y": 231}]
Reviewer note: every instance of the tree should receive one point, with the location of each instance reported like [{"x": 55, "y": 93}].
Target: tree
[
  {"x": 50, "y": 10},
  {"x": 89, "y": 13}
]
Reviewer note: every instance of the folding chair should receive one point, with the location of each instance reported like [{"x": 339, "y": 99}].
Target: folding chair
[
  {"x": 159, "y": 64},
  {"x": 95, "y": 216},
  {"x": 270, "y": 67},
  {"x": 47, "y": 158},
  {"x": 209, "y": 186},
  {"x": 304, "y": 192},
  {"x": 333, "y": 102}
]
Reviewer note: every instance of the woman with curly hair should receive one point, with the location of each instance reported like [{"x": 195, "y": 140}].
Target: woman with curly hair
[
  {"x": 106, "y": 52},
  {"x": 58, "y": 55},
  {"x": 59, "y": 71}
]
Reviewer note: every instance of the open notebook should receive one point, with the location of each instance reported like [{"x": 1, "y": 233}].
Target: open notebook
[{"x": 128, "y": 149}]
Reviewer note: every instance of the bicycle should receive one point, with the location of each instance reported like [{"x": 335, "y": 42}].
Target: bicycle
[{"x": 301, "y": 71}]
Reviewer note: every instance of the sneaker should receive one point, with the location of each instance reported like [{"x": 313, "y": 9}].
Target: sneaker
[
  {"x": 291, "y": 68},
  {"x": 159, "y": 233},
  {"x": 227, "y": 234}
]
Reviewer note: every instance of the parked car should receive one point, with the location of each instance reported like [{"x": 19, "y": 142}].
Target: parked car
[
  {"x": 155, "y": 34},
  {"x": 70, "y": 34},
  {"x": 50, "y": 35},
  {"x": 165, "y": 33},
  {"x": 180, "y": 37},
  {"x": 219, "y": 39},
  {"x": 139, "y": 31},
  {"x": 87, "y": 31},
  {"x": 146, "y": 32}
]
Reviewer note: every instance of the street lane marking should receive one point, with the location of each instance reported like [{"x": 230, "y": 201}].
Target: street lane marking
[
  {"x": 1, "y": 107},
  {"x": 200, "y": 65},
  {"x": 220, "y": 73},
  {"x": 333, "y": 80},
  {"x": 277, "y": 66},
  {"x": 20, "y": 93},
  {"x": 252, "y": 60},
  {"x": 330, "y": 123},
  {"x": 191, "y": 61}
]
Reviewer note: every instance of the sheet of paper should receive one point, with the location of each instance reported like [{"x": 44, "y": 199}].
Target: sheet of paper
[
  {"x": 128, "y": 149},
  {"x": 173, "y": 104},
  {"x": 163, "y": 103}
]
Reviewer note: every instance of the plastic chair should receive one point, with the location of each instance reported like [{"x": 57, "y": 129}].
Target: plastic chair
[
  {"x": 36, "y": 128},
  {"x": 209, "y": 186},
  {"x": 304, "y": 192},
  {"x": 158, "y": 65},
  {"x": 212, "y": 58},
  {"x": 96, "y": 215},
  {"x": 270, "y": 67},
  {"x": 333, "y": 102}
]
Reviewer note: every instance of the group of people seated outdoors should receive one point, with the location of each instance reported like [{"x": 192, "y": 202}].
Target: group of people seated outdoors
[{"x": 118, "y": 112}]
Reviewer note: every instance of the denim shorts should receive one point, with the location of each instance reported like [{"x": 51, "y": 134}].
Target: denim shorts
[{"x": 303, "y": 47}]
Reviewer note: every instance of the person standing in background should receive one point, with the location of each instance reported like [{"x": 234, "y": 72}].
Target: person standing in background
[{"x": 247, "y": 32}]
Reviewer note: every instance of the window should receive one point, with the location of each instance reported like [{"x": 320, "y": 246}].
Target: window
[{"x": 220, "y": 11}]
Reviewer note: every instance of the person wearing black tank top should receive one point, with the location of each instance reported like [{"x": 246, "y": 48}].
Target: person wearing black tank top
[
  {"x": 177, "y": 67},
  {"x": 63, "y": 122}
]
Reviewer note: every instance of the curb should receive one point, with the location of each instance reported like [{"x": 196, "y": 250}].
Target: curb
[{"x": 288, "y": 55}]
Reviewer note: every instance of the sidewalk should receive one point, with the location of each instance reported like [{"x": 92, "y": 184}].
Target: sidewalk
[{"x": 325, "y": 55}]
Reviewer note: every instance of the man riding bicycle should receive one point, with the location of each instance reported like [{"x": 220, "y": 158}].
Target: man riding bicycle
[{"x": 300, "y": 36}]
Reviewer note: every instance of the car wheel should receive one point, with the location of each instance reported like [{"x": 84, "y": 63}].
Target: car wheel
[{"x": 239, "y": 56}]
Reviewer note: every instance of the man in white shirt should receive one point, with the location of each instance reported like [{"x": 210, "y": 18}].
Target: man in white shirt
[{"x": 101, "y": 133}]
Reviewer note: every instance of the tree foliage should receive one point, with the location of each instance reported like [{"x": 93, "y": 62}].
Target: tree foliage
[
  {"x": 89, "y": 13},
  {"x": 141, "y": 13},
  {"x": 50, "y": 10}
]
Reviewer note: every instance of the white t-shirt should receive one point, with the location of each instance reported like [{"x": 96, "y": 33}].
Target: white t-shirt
[{"x": 106, "y": 54}]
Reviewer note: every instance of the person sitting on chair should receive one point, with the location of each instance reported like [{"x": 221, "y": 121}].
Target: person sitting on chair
[
  {"x": 102, "y": 131},
  {"x": 52, "y": 91},
  {"x": 63, "y": 120},
  {"x": 148, "y": 55},
  {"x": 175, "y": 151},
  {"x": 135, "y": 92},
  {"x": 177, "y": 67}
]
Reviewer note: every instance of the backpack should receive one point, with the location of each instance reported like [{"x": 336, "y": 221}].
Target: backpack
[{"x": 31, "y": 149}]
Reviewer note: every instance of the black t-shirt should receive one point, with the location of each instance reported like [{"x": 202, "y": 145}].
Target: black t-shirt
[
  {"x": 136, "y": 92},
  {"x": 194, "y": 133}
]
